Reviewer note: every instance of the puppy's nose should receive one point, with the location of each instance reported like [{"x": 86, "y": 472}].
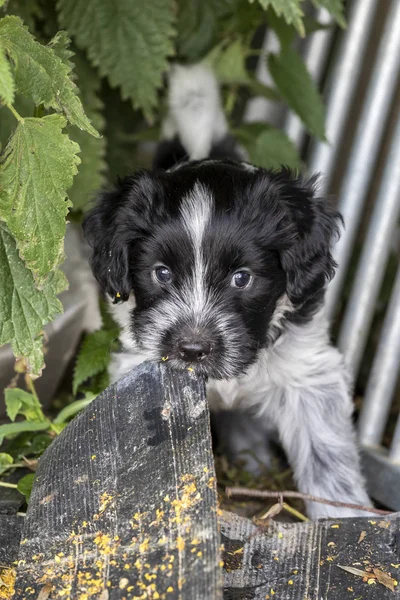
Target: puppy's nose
[{"x": 194, "y": 351}]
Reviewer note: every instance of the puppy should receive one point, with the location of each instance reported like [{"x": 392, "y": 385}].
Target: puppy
[{"x": 222, "y": 266}]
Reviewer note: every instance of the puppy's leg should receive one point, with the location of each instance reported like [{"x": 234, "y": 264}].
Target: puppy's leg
[
  {"x": 316, "y": 431},
  {"x": 242, "y": 437}
]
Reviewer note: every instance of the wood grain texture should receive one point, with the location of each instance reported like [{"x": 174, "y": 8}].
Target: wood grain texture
[
  {"x": 300, "y": 561},
  {"x": 124, "y": 505}
]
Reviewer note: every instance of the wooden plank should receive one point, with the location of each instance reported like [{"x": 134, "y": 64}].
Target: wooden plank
[
  {"x": 301, "y": 561},
  {"x": 125, "y": 503}
]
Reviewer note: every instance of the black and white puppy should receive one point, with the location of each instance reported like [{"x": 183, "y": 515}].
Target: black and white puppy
[{"x": 222, "y": 266}]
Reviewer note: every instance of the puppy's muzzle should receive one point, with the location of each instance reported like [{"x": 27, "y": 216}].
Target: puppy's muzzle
[{"x": 190, "y": 351}]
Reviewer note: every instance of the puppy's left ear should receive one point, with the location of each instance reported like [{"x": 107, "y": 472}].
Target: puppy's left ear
[
  {"x": 120, "y": 218},
  {"x": 307, "y": 260}
]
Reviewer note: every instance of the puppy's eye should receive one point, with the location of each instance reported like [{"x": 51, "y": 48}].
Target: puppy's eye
[
  {"x": 162, "y": 274},
  {"x": 241, "y": 279}
]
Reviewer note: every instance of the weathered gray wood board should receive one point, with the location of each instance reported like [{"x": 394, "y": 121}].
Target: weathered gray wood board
[
  {"x": 125, "y": 507},
  {"x": 300, "y": 561},
  {"x": 124, "y": 504}
]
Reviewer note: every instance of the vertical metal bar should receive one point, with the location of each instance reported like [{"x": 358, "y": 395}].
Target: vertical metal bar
[
  {"x": 394, "y": 454},
  {"x": 315, "y": 56},
  {"x": 360, "y": 309},
  {"x": 366, "y": 144},
  {"x": 342, "y": 85},
  {"x": 384, "y": 373}
]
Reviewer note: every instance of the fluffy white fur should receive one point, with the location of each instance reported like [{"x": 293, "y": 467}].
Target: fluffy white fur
[{"x": 195, "y": 112}]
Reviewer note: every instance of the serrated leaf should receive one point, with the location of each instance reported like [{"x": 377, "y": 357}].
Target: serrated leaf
[
  {"x": 12, "y": 428},
  {"x": 229, "y": 63},
  {"x": 37, "y": 167},
  {"x": 93, "y": 357},
  {"x": 335, "y": 8},
  {"x": 25, "y": 485},
  {"x": 93, "y": 166},
  {"x": 128, "y": 41},
  {"x": 5, "y": 461},
  {"x": 21, "y": 402},
  {"x": 41, "y": 74},
  {"x": 24, "y": 310},
  {"x": 271, "y": 149},
  {"x": 296, "y": 86},
  {"x": 290, "y": 10},
  {"x": 198, "y": 25},
  {"x": 7, "y": 86},
  {"x": 28, "y": 444}
]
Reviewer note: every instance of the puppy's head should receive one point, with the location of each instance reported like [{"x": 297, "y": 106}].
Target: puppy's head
[{"x": 215, "y": 255}]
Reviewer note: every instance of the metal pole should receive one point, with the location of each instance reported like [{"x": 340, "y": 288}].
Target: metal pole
[
  {"x": 342, "y": 85},
  {"x": 394, "y": 454},
  {"x": 376, "y": 248},
  {"x": 383, "y": 378},
  {"x": 315, "y": 55},
  {"x": 366, "y": 144}
]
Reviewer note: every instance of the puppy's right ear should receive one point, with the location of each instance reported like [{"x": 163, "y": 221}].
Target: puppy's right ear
[{"x": 119, "y": 219}]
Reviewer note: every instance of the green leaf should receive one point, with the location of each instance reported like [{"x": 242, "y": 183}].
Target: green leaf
[
  {"x": 229, "y": 63},
  {"x": 24, "y": 310},
  {"x": 286, "y": 33},
  {"x": 128, "y": 41},
  {"x": 93, "y": 357},
  {"x": 199, "y": 25},
  {"x": 5, "y": 461},
  {"x": 25, "y": 485},
  {"x": 7, "y": 86},
  {"x": 91, "y": 170},
  {"x": 24, "y": 106},
  {"x": 298, "y": 89},
  {"x": 41, "y": 74},
  {"x": 259, "y": 89},
  {"x": 28, "y": 444},
  {"x": 37, "y": 167},
  {"x": 72, "y": 409},
  {"x": 335, "y": 7},
  {"x": 288, "y": 9},
  {"x": 270, "y": 149},
  {"x": 21, "y": 402},
  {"x": 27, "y": 11},
  {"x": 11, "y": 428}
]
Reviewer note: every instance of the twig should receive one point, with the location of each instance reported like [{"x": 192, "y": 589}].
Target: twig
[{"x": 236, "y": 491}]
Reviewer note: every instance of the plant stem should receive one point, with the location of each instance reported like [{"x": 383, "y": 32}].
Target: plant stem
[
  {"x": 15, "y": 113},
  {"x": 236, "y": 491},
  {"x": 294, "y": 512},
  {"x": 8, "y": 485}
]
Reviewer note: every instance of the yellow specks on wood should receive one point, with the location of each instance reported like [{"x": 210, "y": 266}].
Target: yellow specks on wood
[
  {"x": 7, "y": 581},
  {"x": 180, "y": 544},
  {"x": 144, "y": 546},
  {"x": 335, "y": 526},
  {"x": 123, "y": 583}
]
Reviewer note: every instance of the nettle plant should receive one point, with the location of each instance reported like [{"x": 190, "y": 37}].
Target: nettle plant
[{"x": 75, "y": 74}]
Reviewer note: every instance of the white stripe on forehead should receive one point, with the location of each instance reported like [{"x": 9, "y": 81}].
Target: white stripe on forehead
[{"x": 196, "y": 212}]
